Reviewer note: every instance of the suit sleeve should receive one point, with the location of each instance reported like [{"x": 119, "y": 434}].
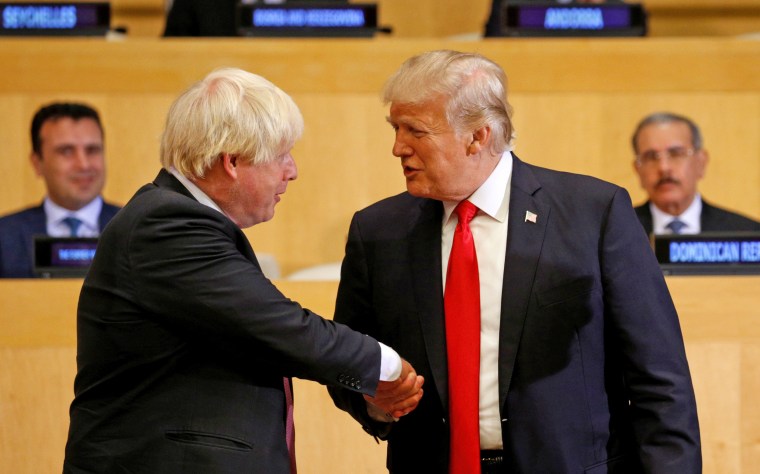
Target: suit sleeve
[
  {"x": 646, "y": 328},
  {"x": 354, "y": 309},
  {"x": 191, "y": 270}
]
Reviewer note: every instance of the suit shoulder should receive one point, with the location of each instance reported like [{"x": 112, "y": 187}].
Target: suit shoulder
[
  {"x": 397, "y": 205},
  {"x": 110, "y": 207},
  {"x": 716, "y": 218},
  {"x": 564, "y": 183},
  {"x": 21, "y": 217}
]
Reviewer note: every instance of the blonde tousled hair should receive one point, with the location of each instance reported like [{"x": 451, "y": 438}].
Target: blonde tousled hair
[{"x": 230, "y": 111}]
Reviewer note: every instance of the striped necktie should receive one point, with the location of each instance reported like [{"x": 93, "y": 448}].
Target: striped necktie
[{"x": 676, "y": 225}]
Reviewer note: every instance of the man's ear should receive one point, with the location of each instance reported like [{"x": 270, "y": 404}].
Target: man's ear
[
  {"x": 36, "y": 161},
  {"x": 480, "y": 140},
  {"x": 703, "y": 157},
  {"x": 229, "y": 164}
]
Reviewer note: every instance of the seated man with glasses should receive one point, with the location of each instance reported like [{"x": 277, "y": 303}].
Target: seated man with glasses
[{"x": 670, "y": 161}]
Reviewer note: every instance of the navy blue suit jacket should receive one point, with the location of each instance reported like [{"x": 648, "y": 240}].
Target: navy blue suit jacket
[
  {"x": 593, "y": 376},
  {"x": 17, "y": 233},
  {"x": 712, "y": 219}
]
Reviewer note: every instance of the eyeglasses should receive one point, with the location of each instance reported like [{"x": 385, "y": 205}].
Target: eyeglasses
[{"x": 676, "y": 155}]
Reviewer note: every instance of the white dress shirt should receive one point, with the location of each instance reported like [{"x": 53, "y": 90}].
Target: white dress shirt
[
  {"x": 691, "y": 217},
  {"x": 489, "y": 230},
  {"x": 89, "y": 215}
]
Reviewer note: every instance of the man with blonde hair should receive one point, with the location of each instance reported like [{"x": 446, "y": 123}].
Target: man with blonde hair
[
  {"x": 184, "y": 349},
  {"x": 528, "y": 298}
]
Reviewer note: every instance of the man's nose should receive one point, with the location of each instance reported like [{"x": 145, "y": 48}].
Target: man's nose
[
  {"x": 291, "y": 170},
  {"x": 82, "y": 159},
  {"x": 400, "y": 148}
]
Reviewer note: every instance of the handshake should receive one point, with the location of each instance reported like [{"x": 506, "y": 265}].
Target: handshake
[{"x": 399, "y": 397}]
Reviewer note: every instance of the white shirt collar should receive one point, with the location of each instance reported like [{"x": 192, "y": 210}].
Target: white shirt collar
[
  {"x": 691, "y": 217},
  {"x": 199, "y": 195},
  {"x": 492, "y": 197},
  {"x": 89, "y": 215}
]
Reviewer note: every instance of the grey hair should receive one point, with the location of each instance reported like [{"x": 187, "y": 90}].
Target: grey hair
[
  {"x": 474, "y": 85},
  {"x": 668, "y": 117}
]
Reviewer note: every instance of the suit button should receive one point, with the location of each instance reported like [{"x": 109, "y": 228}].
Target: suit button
[{"x": 358, "y": 386}]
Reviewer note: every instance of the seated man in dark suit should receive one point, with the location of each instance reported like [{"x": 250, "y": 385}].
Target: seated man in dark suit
[
  {"x": 670, "y": 160},
  {"x": 67, "y": 152},
  {"x": 201, "y": 18}
]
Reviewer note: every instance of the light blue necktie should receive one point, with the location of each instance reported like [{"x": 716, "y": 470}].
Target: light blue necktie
[
  {"x": 73, "y": 223},
  {"x": 676, "y": 225}
]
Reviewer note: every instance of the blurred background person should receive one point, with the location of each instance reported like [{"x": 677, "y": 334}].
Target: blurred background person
[
  {"x": 206, "y": 17},
  {"x": 68, "y": 154},
  {"x": 201, "y": 18},
  {"x": 670, "y": 159}
]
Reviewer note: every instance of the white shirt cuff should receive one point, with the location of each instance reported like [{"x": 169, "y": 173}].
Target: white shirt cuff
[{"x": 390, "y": 364}]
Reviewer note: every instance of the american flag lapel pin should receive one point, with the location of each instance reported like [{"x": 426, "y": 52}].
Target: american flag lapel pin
[{"x": 530, "y": 217}]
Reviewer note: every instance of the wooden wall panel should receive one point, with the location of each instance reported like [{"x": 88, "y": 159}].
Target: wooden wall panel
[
  {"x": 567, "y": 117},
  {"x": 720, "y": 319}
]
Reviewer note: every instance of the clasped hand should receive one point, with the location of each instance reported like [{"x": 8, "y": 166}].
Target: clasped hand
[{"x": 401, "y": 396}]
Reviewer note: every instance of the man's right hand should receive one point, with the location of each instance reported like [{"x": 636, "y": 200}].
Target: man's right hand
[{"x": 401, "y": 396}]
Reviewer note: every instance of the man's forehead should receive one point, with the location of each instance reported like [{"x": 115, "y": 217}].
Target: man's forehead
[
  {"x": 54, "y": 127},
  {"x": 667, "y": 131},
  {"x": 425, "y": 113}
]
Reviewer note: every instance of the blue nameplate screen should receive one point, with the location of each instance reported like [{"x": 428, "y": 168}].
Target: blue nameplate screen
[
  {"x": 553, "y": 19},
  {"x": 307, "y": 19},
  {"x": 709, "y": 253},
  {"x": 54, "y": 19},
  {"x": 63, "y": 256}
]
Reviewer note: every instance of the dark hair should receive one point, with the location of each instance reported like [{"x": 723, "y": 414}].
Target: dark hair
[
  {"x": 669, "y": 117},
  {"x": 58, "y": 110}
]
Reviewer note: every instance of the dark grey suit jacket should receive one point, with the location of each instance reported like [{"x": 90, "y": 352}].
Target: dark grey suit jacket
[
  {"x": 182, "y": 345},
  {"x": 593, "y": 376},
  {"x": 712, "y": 219},
  {"x": 17, "y": 233}
]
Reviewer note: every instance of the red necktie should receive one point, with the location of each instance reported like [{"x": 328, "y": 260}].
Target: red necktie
[
  {"x": 462, "y": 308},
  {"x": 290, "y": 427}
]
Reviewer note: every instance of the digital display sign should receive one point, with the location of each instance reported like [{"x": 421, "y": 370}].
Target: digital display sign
[
  {"x": 39, "y": 19},
  {"x": 709, "y": 253},
  {"x": 552, "y": 19},
  {"x": 307, "y": 19},
  {"x": 574, "y": 18},
  {"x": 63, "y": 256}
]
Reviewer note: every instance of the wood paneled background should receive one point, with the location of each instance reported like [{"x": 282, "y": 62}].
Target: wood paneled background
[
  {"x": 575, "y": 102},
  {"x": 720, "y": 320}
]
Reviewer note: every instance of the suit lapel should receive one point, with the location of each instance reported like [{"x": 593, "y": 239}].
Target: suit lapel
[
  {"x": 524, "y": 241},
  {"x": 36, "y": 221},
  {"x": 425, "y": 262}
]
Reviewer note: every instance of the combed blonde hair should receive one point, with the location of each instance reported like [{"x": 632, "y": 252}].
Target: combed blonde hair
[
  {"x": 230, "y": 111},
  {"x": 476, "y": 88}
]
